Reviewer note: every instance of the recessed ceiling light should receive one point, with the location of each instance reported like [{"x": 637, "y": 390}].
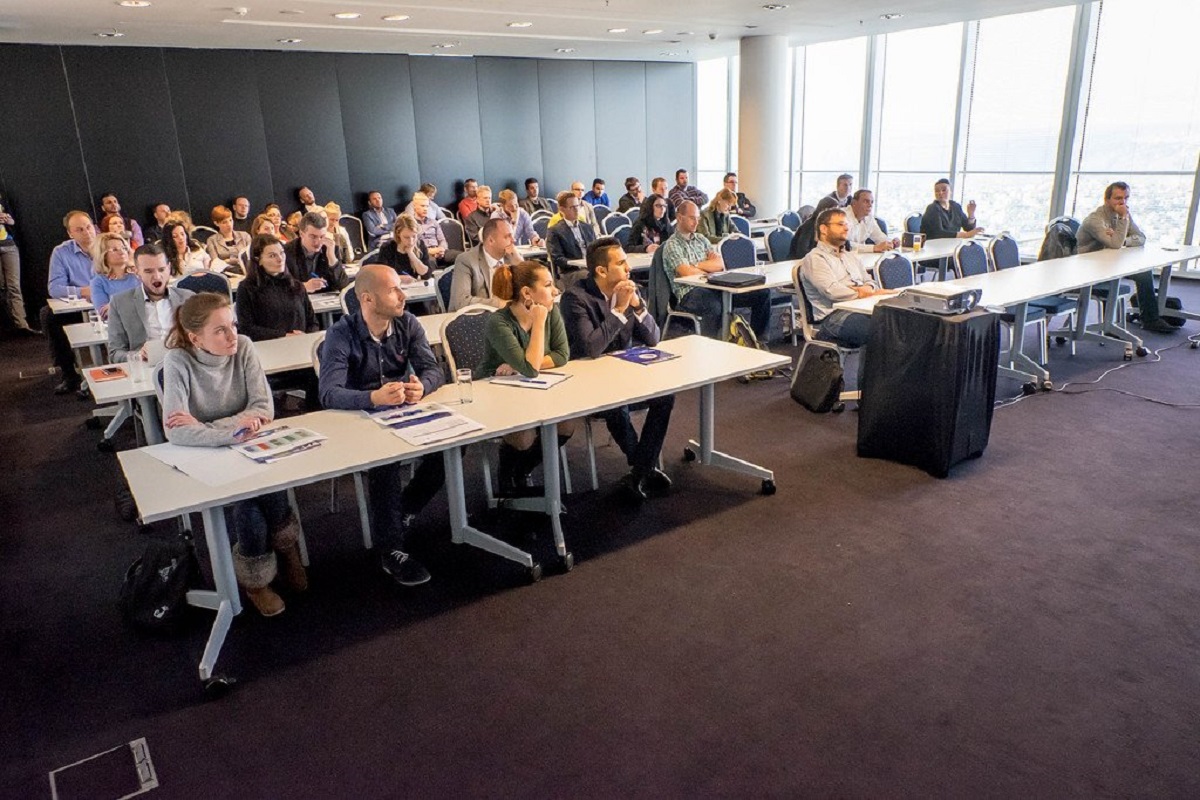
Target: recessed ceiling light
[
  {"x": 686, "y": 33},
  {"x": 395, "y": 18},
  {"x": 564, "y": 49},
  {"x": 652, "y": 31},
  {"x": 110, "y": 34},
  {"x": 289, "y": 41},
  {"x": 443, "y": 46},
  {"x": 751, "y": 27},
  {"x": 774, "y": 7},
  {"x": 668, "y": 54},
  {"x": 291, "y": 11},
  {"x": 520, "y": 24},
  {"x": 617, "y": 30},
  {"x": 134, "y": 3},
  {"x": 890, "y": 16},
  {"x": 347, "y": 15}
]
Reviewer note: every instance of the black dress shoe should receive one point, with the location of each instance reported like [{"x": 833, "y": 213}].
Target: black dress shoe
[
  {"x": 67, "y": 386},
  {"x": 1158, "y": 326},
  {"x": 656, "y": 481},
  {"x": 631, "y": 487}
]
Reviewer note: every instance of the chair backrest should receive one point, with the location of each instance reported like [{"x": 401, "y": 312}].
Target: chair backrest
[
  {"x": 912, "y": 223},
  {"x": 1004, "y": 252},
  {"x": 200, "y": 234},
  {"x": 354, "y": 229},
  {"x": 463, "y": 339},
  {"x": 790, "y": 220},
  {"x": 541, "y": 226},
  {"x": 779, "y": 243},
  {"x": 206, "y": 281},
  {"x": 806, "y": 316},
  {"x": 633, "y": 214},
  {"x": 621, "y": 234},
  {"x": 550, "y": 201},
  {"x": 882, "y": 224},
  {"x": 737, "y": 251},
  {"x": 443, "y": 287},
  {"x": 804, "y": 212},
  {"x": 1060, "y": 241},
  {"x": 318, "y": 346},
  {"x": 1070, "y": 222},
  {"x": 156, "y": 378},
  {"x": 742, "y": 224},
  {"x": 370, "y": 257},
  {"x": 658, "y": 292},
  {"x": 348, "y": 299},
  {"x": 456, "y": 237},
  {"x": 970, "y": 259},
  {"x": 600, "y": 212},
  {"x": 541, "y": 213},
  {"x": 895, "y": 272},
  {"x": 613, "y": 221}
]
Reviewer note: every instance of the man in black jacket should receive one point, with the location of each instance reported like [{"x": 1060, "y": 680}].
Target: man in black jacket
[
  {"x": 312, "y": 257},
  {"x": 604, "y": 313},
  {"x": 568, "y": 239}
]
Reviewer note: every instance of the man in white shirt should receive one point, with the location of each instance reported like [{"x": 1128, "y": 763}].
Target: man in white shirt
[
  {"x": 472, "y": 278},
  {"x": 865, "y": 233},
  {"x": 841, "y": 195},
  {"x": 431, "y": 230}
]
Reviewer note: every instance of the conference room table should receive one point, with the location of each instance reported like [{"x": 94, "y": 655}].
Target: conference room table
[
  {"x": 638, "y": 262},
  {"x": 355, "y": 443},
  {"x": 1013, "y": 289}
]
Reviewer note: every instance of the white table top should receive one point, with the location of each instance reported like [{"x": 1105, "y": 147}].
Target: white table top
[
  {"x": 355, "y": 443},
  {"x": 933, "y": 250},
  {"x": 84, "y": 334},
  {"x": 637, "y": 261},
  {"x": 778, "y": 274},
  {"x": 60, "y": 306}
]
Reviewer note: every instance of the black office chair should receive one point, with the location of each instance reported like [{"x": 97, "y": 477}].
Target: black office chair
[{"x": 456, "y": 237}]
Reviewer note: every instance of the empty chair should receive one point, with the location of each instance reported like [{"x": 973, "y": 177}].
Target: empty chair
[
  {"x": 882, "y": 224},
  {"x": 205, "y": 281},
  {"x": 894, "y": 271},
  {"x": 541, "y": 226},
  {"x": 633, "y": 214},
  {"x": 737, "y": 251},
  {"x": 601, "y": 211},
  {"x": 912, "y": 223},
  {"x": 621, "y": 234},
  {"x": 370, "y": 257},
  {"x": 804, "y": 212},
  {"x": 200, "y": 234},
  {"x": 1069, "y": 221},
  {"x": 354, "y": 229},
  {"x": 742, "y": 224},
  {"x": 444, "y": 279},
  {"x": 970, "y": 259},
  {"x": 456, "y": 237},
  {"x": 790, "y": 220},
  {"x": 613, "y": 221},
  {"x": 779, "y": 243}
]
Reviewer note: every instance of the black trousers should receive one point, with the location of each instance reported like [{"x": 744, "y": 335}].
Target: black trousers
[
  {"x": 389, "y": 504},
  {"x": 642, "y": 452},
  {"x": 56, "y": 336}
]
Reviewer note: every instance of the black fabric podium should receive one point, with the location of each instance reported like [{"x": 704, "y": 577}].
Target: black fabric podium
[{"x": 928, "y": 388}]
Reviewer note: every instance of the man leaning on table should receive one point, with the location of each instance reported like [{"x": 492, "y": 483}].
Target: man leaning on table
[
  {"x": 71, "y": 267},
  {"x": 146, "y": 313},
  {"x": 603, "y": 313},
  {"x": 1111, "y": 226},
  {"x": 379, "y": 356},
  {"x": 865, "y": 234},
  {"x": 312, "y": 256}
]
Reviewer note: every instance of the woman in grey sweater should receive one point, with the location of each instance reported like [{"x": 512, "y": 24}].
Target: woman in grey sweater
[{"x": 215, "y": 394}]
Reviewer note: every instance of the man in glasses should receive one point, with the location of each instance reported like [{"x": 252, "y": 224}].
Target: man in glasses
[
  {"x": 743, "y": 207},
  {"x": 568, "y": 238}
]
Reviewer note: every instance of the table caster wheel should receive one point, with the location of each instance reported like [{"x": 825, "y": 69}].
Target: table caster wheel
[
  {"x": 1195, "y": 345},
  {"x": 1060, "y": 340},
  {"x": 689, "y": 454},
  {"x": 768, "y": 487},
  {"x": 218, "y": 686},
  {"x": 838, "y": 407},
  {"x": 1047, "y": 385},
  {"x": 535, "y": 573},
  {"x": 1142, "y": 351},
  {"x": 1128, "y": 355},
  {"x": 106, "y": 446},
  {"x": 1029, "y": 388},
  {"x": 567, "y": 562}
]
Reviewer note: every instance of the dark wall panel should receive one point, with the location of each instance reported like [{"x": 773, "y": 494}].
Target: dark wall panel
[
  {"x": 222, "y": 141},
  {"x": 508, "y": 105},
  {"x": 128, "y": 137},
  {"x": 568, "y": 101},
  {"x": 621, "y": 125},
  {"x": 671, "y": 112},
  {"x": 302, "y": 117},
  {"x": 41, "y": 169},
  {"x": 380, "y": 127},
  {"x": 449, "y": 142}
]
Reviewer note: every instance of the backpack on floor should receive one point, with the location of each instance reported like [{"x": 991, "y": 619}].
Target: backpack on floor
[
  {"x": 741, "y": 334},
  {"x": 818, "y": 380},
  {"x": 153, "y": 595}
]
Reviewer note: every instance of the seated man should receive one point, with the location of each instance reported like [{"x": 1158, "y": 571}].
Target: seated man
[
  {"x": 568, "y": 238},
  {"x": 1111, "y": 226},
  {"x": 865, "y": 234},
  {"x": 109, "y": 204},
  {"x": 468, "y": 204},
  {"x": 472, "y": 278},
  {"x": 377, "y": 221},
  {"x": 597, "y": 196},
  {"x": 241, "y": 214},
  {"x": 841, "y": 195},
  {"x": 829, "y": 274},
  {"x": 431, "y": 231},
  {"x": 312, "y": 257},
  {"x": 683, "y": 191},
  {"x": 689, "y": 253},
  {"x": 364, "y": 355},
  {"x": 533, "y": 200},
  {"x": 743, "y": 207},
  {"x": 945, "y": 219},
  {"x": 473, "y": 223},
  {"x": 162, "y": 212},
  {"x": 658, "y": 186},
  {"x": 604, "y": 313},
  {"x": 633, "y": 197},
  {"x": 71, "y": 267},
  {"x": 522, "y": 223},
  {"x": 147, "y": 313},
  {"x": 308, "y": 201},
  {"x": 430, "y": 192},
  {"x": 586, "y": 215}
]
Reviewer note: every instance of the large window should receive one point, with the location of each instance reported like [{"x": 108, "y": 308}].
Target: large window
[
  {"x": 713, "y": 79},
  {"x": 830, "y": 88}
]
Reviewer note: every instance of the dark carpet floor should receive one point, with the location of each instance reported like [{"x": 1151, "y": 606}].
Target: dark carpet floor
[{"x": 1028, "y": 627}]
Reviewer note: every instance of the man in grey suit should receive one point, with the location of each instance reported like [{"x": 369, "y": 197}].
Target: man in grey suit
[
  {"x": 472, "y": 277},
  {"x": 146, "y": 313}
]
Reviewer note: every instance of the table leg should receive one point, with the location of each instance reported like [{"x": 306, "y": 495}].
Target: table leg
[
  {"x": 1014, "y": 363},
  {"x": 96, "y": 354},
  {"x": 1107, "y": 329},
  {"x": 726, "y": 314},
  {"x": 460, "y": 531},
  {"x": 225, "y": 598},
  {"x": 705, "y": 446},
  {"x": 151, "y": 424},
  {"x": 1164, "y": 285},
  {"x": 552, "y": 480}
]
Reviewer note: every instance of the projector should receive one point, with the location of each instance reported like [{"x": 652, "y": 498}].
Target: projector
[{"x": 941, "y": 299}]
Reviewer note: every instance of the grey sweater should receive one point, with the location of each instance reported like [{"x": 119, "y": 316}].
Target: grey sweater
[{"x": 217, "y": 390}]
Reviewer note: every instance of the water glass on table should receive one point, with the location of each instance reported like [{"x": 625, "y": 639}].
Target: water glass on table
[
  {"x": 72, "y": 294},
  {"x": 138, "y": 371},
  {"x": 466, "y": 391},
  {"x": 97, "y": 323}
]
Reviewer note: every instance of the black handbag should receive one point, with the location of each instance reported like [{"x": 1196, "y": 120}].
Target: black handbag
[
  {"x": 153, "y": 596},
  {"x": 818, "y": 380}
]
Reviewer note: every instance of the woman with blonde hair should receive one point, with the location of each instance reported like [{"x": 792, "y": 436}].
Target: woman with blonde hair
[
  {"x": 341, "y": 239},
  {"x": 715, "y": 222},
  {"x": 405, "y": 252},
  {"x": 112, "y": 261}
]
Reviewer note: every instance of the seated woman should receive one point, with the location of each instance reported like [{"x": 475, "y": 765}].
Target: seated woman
[
  {"x": 262, "y": 226},
  {"x": 115, "y": 223},
  {"x": 271, "y": 211},
  {"x": 215, "y": 394},
  {"x": 405, "y": 252},
  {"x": 652, "y": 228},
  {"x": 184, "y": 254},
  {"x": 524, "y": 337},
  {"x": 715, "y": 223},
  {"x": 228, "y": 247},
  {"x": 290, "y": 229},
  {"x": 113, "y": 264},
  {"x": 341, "y": 239}
]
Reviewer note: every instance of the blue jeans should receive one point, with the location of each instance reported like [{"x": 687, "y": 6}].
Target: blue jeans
[
  {"x": 706, "y": 303},
  {"x": 253, "y": 521},
  {"x": 641, "y": 452},
  {"x": 847, "y": 329}
]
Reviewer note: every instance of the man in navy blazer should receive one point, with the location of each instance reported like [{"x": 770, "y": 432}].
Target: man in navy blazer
[
  {"x": 604, "y": 313},
  {"x": 568, "y": 239},
  {"x": 377, "y": 221}
]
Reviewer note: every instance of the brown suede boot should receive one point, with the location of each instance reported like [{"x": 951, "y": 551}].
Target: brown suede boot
[
  {"x": 286, "y": 542},
  {"x": 254, "y": 574}
]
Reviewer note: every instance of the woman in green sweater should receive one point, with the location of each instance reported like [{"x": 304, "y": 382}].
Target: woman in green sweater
[
  {"x": 524, "y": 337},
  {"x": 215, "y": 394}
]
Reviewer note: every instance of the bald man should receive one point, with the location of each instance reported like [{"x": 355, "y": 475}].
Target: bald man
[{"x": 376, "y": 357}]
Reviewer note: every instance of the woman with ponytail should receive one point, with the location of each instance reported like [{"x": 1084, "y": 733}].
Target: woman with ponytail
[{"x": 524, "y": 337}]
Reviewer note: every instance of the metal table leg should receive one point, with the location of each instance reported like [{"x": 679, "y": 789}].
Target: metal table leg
[
  {"x": 1014, "y": 363},
  {"x": 714, "y": 458},
  {"x": 224, "y": 600},
  {"x": 460, "y": 531}
]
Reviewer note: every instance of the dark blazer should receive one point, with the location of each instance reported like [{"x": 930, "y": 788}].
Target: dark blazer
[
  {"x": 744, "y": 207},
  {"x": 561, "y": 244},
  {"x": 593, "y": 329},
  {"x": 333, "y": 274},
  {"x": 273, "y": 307},
  {"x": 389, "y": 254},
  {"x": 939, "y": 223}
]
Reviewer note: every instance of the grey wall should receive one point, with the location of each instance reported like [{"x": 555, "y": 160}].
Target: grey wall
[{"x": 155, "y": 124}]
